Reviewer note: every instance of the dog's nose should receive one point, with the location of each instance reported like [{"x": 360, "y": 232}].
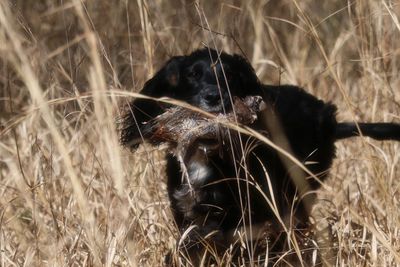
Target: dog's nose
[{"x": 212, "y": 97}]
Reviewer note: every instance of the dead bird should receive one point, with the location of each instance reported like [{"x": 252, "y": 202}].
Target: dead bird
[{"x": 181, "y": 127}]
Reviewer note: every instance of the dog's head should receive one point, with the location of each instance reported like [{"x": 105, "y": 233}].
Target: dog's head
[{"x": 205, "y": 79}]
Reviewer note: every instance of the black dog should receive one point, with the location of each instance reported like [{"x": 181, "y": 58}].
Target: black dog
[{"x": 235, "y": 182}]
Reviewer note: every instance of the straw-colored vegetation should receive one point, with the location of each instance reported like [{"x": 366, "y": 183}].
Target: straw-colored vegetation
[{"x": 71, "y": 196}]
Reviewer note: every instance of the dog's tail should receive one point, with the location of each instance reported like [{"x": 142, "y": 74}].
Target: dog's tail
[{"x": 378, "y": 131}]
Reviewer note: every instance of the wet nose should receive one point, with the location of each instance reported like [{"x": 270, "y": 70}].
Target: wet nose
[{"x": 212, "y": 97}]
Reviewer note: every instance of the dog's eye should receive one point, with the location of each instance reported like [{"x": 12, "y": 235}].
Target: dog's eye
[{"x": 194, "y": 74}]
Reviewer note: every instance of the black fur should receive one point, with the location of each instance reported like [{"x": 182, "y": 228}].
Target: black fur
[{"x": 222, "y": 202}]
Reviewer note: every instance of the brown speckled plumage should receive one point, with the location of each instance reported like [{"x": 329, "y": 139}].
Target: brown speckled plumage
[{"x": 181, "y": 127}]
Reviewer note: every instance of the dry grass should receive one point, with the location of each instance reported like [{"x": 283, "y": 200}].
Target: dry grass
[{"x": 70, "y": 196}]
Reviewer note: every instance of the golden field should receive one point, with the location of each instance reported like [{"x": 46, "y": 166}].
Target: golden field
[{"x": 71, "y": 196}]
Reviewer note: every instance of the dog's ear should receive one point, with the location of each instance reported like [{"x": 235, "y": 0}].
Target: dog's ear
[
  {"x": 139, "y": 111},
  {"x": 172, "y": 70},
  {"x": 164, "y": 81},
  {"x": 247, "y": 75}
]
